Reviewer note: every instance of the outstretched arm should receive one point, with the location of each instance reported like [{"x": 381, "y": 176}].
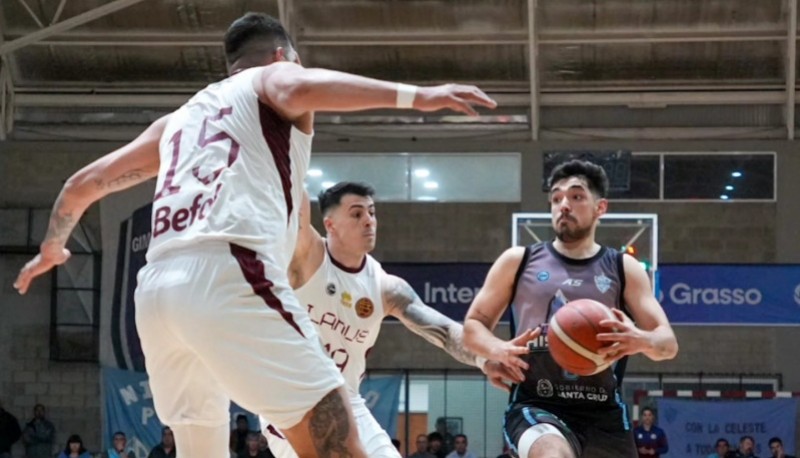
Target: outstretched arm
[
  {"x": 403, "y": 303},
  {"x": 294, "y": 91},
  {"x": 130, "y": 165}
]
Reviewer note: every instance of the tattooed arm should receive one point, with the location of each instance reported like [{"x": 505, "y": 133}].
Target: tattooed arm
[
  {"x": 403, "y": 303},
  {"x": 132, "y": 164}
]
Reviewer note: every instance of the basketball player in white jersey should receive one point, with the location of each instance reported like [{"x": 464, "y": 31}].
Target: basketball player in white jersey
[
  {"x": 348, "y": 295},
  {"x": 214, "y": 310}
]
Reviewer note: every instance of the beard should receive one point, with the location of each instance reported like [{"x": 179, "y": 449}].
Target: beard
[{"x": 575, "y": 233}]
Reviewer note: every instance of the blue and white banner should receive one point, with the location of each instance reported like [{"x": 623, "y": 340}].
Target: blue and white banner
[
  {"x": 129, "y": 408},
  {"x": 447, "y": 287},
  {"x": 383, "y": 400},
  {"x": 693, "y": 427},
  {"x": 731, "y": 294}
]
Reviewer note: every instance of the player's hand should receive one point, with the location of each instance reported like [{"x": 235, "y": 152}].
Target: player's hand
[
  {"x": 500, "y": 376},
  {"x": 49, "y": 257},
  {"x": 456, "y": 97},
  {"x": 624, "y": 339},
  {"x": 509, "y": 352}
]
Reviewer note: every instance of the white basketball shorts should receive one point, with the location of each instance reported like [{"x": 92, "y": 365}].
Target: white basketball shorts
[{"x": 220, "y": 322}]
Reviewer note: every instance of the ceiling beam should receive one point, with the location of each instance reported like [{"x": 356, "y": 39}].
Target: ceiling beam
[
  {"x": 67, "y": 24},
  {"x": 414, "y": 38},
  {"x": 643, "y": 100},
  {"x": 791, "y": 66},
  {"x": 533, "y": 70}
]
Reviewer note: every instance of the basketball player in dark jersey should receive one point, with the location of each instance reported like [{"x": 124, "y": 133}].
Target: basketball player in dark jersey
[{"x": 554, "y": 413}]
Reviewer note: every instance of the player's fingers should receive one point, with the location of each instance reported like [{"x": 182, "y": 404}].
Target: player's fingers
[
  {"x": 462, "y": 106},
  {"x": 611, "y": 337},
  {"x": 526, "y": 336},
  {"x": 517, "y": 363},
  {"x": 614, "y": 325},
  {"x": 22, "y": 282},
  {"x": 478, "y": 97}
]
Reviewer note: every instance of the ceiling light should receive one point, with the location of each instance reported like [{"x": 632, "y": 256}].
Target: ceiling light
[
  {"x": 723, "y": 197},
  {"x": 427, "y": 198},
  {"x": 736, "y": 174},
  {"x": 327, "y": 184},
  {"x": 729, "y": 188},
  {"x": 431, "y": 185},
  {"x": 314, "y": 172},
  {"x": 422, "y": 173}
]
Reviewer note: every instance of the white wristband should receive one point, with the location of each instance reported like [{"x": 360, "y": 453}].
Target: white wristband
[{"x": 405, "y": 95}]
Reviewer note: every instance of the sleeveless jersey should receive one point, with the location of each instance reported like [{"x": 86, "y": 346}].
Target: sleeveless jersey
[
  {"x": 546, "y": 280},
  {"x": 231, "y": 170},
  {"x": 346, "y": 306}
]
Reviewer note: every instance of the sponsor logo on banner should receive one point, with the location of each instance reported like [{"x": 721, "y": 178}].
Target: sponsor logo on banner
[
  {"x": 730, "y": 294},
  {"x": 685, "y": 294}
]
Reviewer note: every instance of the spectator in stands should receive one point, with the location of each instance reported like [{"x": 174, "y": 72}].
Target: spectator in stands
[
  {"x": 651, "y": 441},
  {"x": 435, "y": 445},
  {"x": 460, "y": 448},
  {"x": 447, "y": 437},
  {"x": 252, "y": 449},
  {"x": 39, "y": 435},
  {"x": 776, "y": 447},
  {"x": 422, "y": 448},
  {"x": 166, "y": 449},
  {"x": 746, "y": 446},
  {"x": 119, "y": 447},
  {"x": 9, "y": 432},
  {"x": 74, "y": 448},
  {"x": 238, "y": 441},
  {"x": 263, "y": 444},
  {"x": 721, "y": 449}
]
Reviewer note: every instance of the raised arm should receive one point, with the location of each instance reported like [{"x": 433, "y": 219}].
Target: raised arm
[
  {"x": 651, "y": 334},
  {"x": 294, "y": 91},
  {"x": 130, "y": 165},
  {"x": 487, "y": 308},
  {"x": 310, "y": 249}
]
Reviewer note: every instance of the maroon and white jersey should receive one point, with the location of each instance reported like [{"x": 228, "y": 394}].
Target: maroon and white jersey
[
  {"x": 346, "y": 306},
  {"x": 232, "y": 170}
]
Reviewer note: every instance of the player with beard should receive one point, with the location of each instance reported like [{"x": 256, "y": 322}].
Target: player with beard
[{"x": 554, "y": 413}]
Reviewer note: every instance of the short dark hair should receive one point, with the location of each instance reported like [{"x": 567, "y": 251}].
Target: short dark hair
[
  {"x": 649, "y": 409},
  {"x": 461, "y": 435},
  {"x": 74, "y": 439},
  {"x": 722, "y": 440},
  {"x": 332, "y": 197},
  {"x": 772, "y": 440},
  {"x": 743, "y": 438},
  {"x": 254, "y": 28},
  {"x": 435, "y": 436},
  {"x": 594, "y": 175},
  {"x": 119, "y": 433}
]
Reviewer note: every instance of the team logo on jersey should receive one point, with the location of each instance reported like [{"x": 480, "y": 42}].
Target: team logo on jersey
[
  {"x": 347, "y": 299},
  {"x": 330, "y": 289},
  {"x": 544, "y": 388},
  {"x": 543, "y": 275},
  {"x": 602, "y": 282},
  {"x": 364, "y": 308}
]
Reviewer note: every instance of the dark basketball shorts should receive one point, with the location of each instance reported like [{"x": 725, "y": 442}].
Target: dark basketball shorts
[{"x": 593, "y": 432}]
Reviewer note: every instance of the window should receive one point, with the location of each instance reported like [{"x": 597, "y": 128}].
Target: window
[
  {"x": 421, "y": 177},
  {"x": 701, "y": 177}
]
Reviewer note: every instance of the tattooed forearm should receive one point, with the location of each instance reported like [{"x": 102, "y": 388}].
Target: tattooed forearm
[
  {"x": 329, "y": 427},
  {"x": 128, "y": 178},
  {"x": 61, "y": 224},
  {"x": 425, "y": 321}
]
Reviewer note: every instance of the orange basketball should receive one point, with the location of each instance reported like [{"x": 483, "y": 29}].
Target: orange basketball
[{"x": 572, "y": 335}]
